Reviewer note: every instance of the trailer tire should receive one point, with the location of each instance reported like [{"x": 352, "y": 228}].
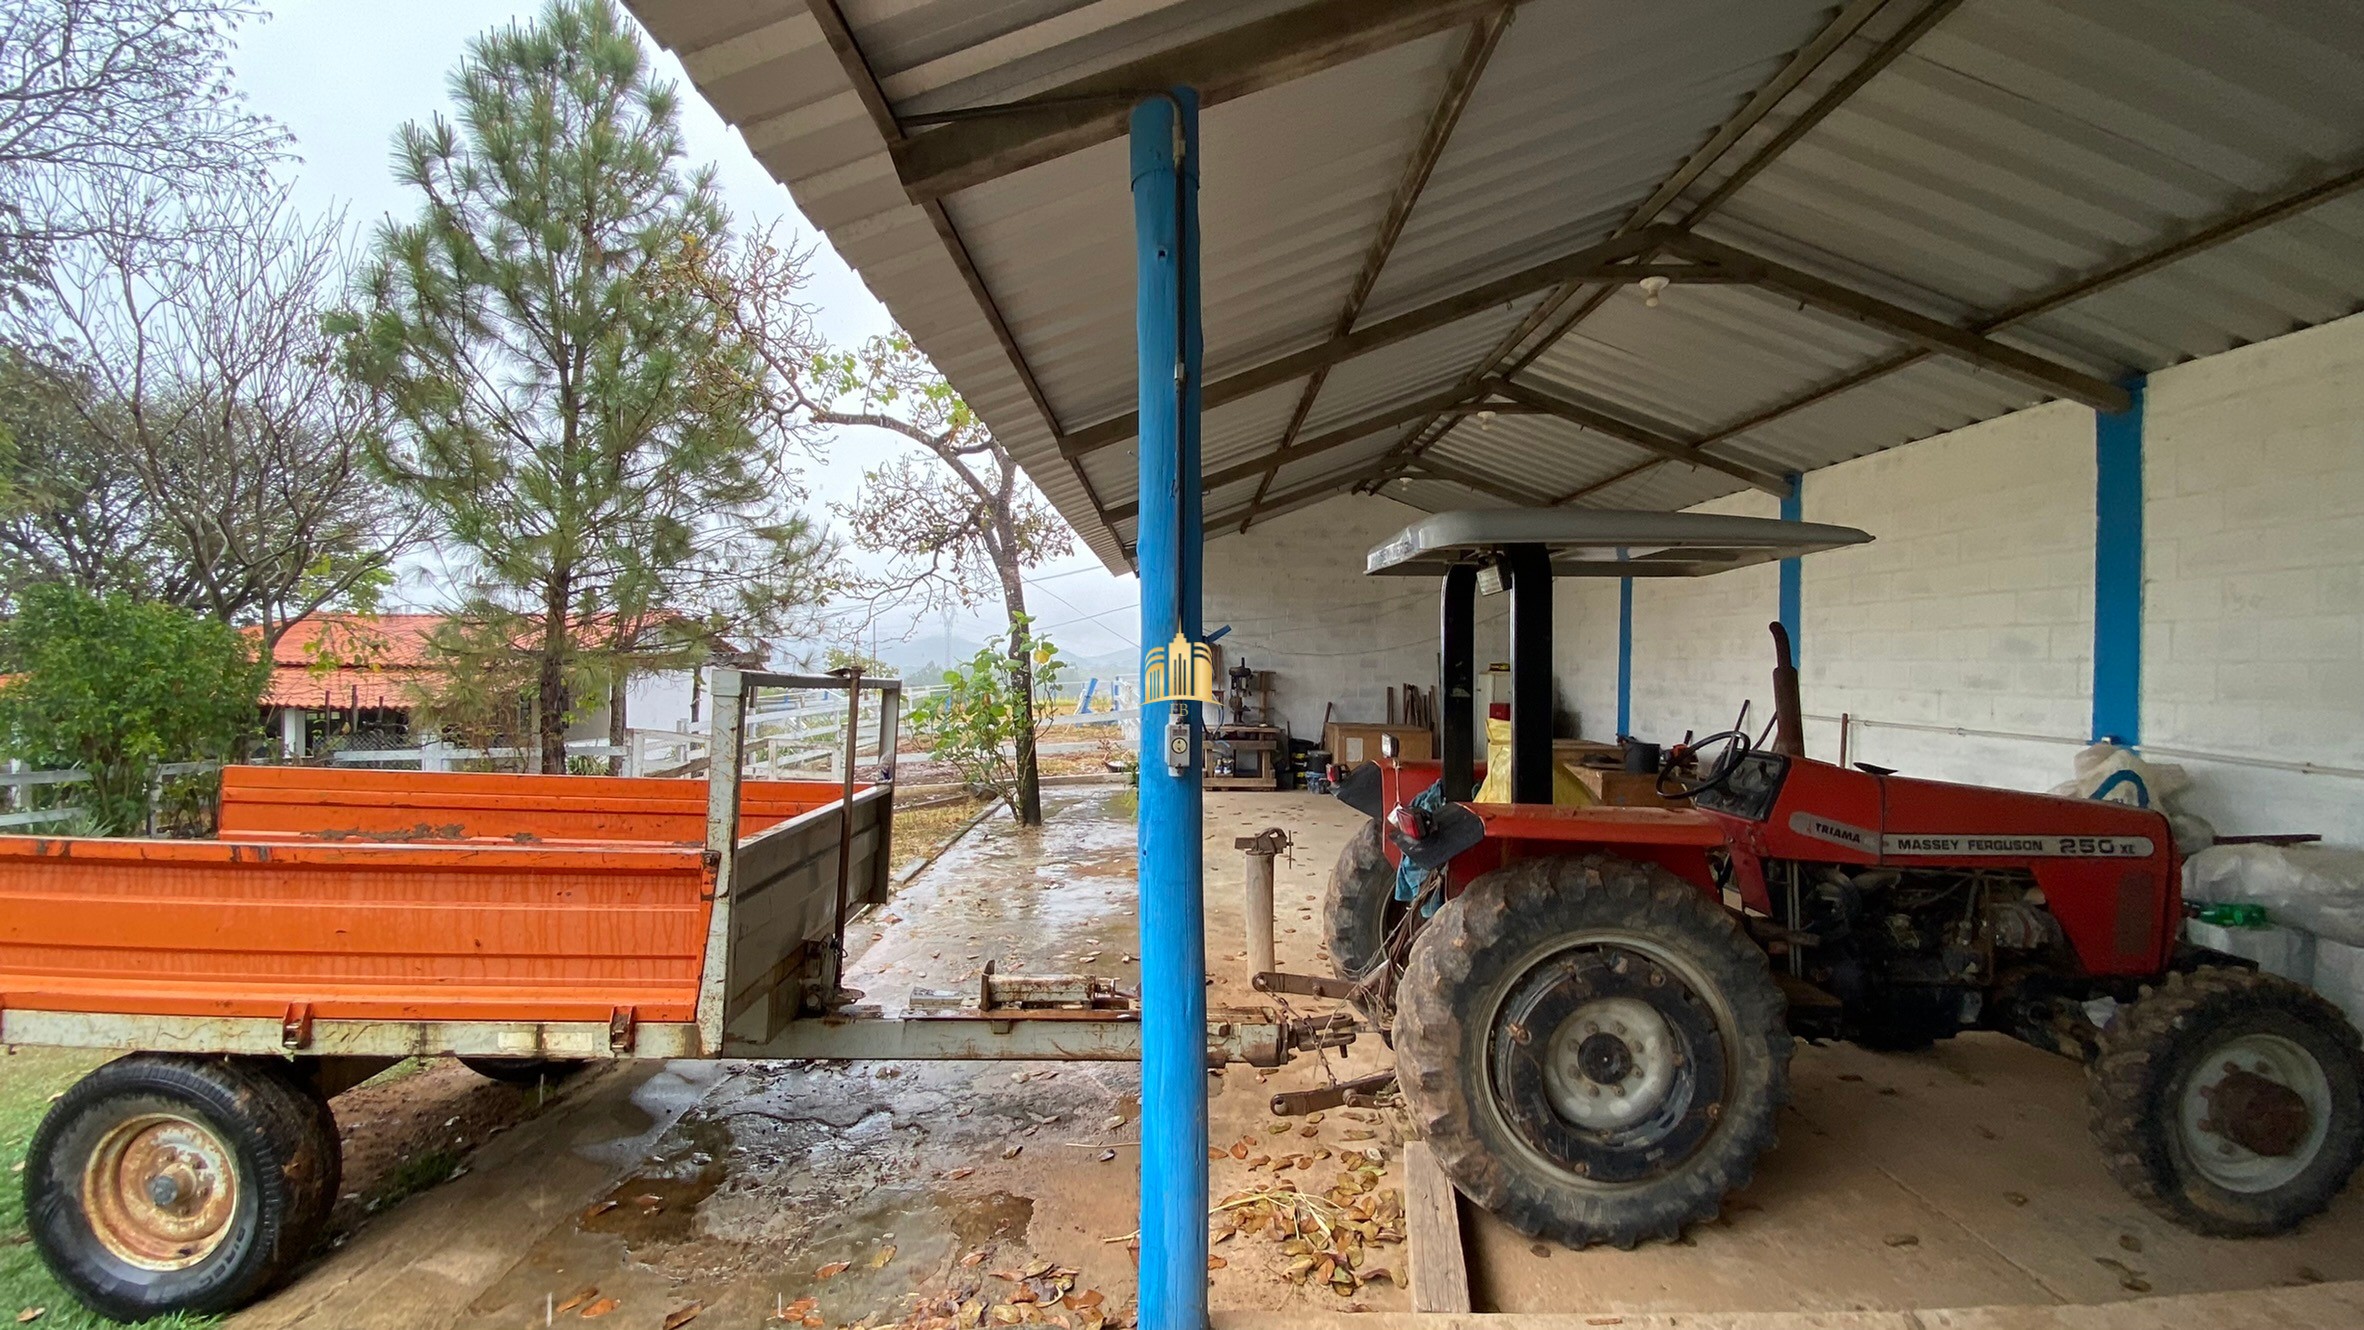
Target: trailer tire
[
  {"x": 1620, "y": 976},
  {"x": 527, "y": 1072},
  {"x": 1360, "y": 910},
  {"x": 2154, "y": 1113},
  {"x": 163, "y": 1183}
]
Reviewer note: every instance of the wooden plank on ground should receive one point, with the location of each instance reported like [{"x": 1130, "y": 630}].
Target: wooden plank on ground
[{"x": 1432, "y": 1234}]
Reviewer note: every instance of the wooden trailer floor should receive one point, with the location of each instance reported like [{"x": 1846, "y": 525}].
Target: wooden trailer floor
[{"x": 1960, "y": 1178}]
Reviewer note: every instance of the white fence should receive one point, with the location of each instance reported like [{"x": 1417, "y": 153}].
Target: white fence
[{"x": 15, "y": 787}]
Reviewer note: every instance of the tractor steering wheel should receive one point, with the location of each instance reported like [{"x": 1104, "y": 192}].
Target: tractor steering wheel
[{"x": 1736, "y": 746}]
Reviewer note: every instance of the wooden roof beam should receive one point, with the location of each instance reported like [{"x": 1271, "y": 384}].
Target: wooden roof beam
[
  {"x": 984, "y": 143},
  {"x": 1656, "y": 440},
  {"x": 1592, "y": 262},
  {"x": 1910, "y": 325}
]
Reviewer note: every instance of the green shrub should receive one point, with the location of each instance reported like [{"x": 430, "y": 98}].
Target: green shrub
[{"x": 115, "y": 687}]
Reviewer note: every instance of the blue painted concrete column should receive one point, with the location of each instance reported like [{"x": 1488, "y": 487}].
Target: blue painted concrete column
[
  {"x": 2117, "y": 572},
  {"x": 1173, "y": 1274},
  {"x": 1793, "y": 506},
  {"x": 1624, "y": 656}
]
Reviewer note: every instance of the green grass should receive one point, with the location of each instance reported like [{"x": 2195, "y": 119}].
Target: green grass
[
  {"x": 27, "y": 1081},
  {"x": 415, "y": 1174}
]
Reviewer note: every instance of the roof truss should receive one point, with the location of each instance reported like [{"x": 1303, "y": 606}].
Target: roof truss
[{"x": 986, "y": 143}]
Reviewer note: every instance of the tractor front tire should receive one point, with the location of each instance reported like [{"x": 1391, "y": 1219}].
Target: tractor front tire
[
  {"x": 163, "y": 1183},
  {"x": 2229, "y": 1101},
  {"x": 1594, "y": 1048},
  {"x": 1360, "y": 910}
]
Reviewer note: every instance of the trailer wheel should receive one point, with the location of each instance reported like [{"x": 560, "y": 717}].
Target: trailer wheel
[
  {"x": 1594, "y": 1048},
  {"x": 1360, "y": 910},
  {"x": 164, "y": 1183},
  {"x": 2229, "y": 1101},
  {"x": 528, "y": 1072}
]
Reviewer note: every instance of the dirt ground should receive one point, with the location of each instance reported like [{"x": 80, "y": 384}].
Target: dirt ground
[{"x": 909, "y": 1193}]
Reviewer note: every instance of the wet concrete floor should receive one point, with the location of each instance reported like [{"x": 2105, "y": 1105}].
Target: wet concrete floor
[{"x": 965, "y": 1194}]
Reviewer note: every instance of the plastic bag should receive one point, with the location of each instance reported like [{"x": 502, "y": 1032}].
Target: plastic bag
[
  {"x": 2120, "y": 775},
  {"x": 2303, "y": 886}
]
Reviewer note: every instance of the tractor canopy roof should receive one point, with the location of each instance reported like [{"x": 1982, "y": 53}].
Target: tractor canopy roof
[{"x": 1593, "y": 542}]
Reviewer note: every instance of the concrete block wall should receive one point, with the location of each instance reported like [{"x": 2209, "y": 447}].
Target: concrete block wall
[
  {"x": 2253, "y": 641},
  {"x": 1700, "y": 646},
  {"x": 1961, "y": 640},
  {"x": 1971, "y": 609},
  {"x": 1298, "y": 602}
]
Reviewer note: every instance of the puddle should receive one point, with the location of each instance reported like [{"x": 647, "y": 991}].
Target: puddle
[
  {"x": 1053, "y": 899},
  {"x": 660, "y": 1202}
]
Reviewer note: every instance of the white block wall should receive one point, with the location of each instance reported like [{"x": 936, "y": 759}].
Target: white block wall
[
  {"x": 2253, "y": 639},
  {"x": 1298, "y": 602},
  {"x": 1972, "y": 611},
  {"x": 1972, "y": 608},
  {"x": 1700, "y": 646}
]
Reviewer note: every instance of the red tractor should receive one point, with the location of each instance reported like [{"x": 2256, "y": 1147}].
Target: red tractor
[{"x": 1593, "y": 1009}]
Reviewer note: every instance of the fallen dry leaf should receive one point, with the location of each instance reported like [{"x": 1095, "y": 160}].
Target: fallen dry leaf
[
  {"x": 600, "y": 1308},
  {"x": 578, "y": 1299},
  {"x": 1012, "y": 1151},
  {"x": 973, "y": 1258},
  {"x": 959, "y": 1173},
  {"x": 1216, "y": 1263},
  {"x": 30, "y": 1315},
  {"x": 832, "y": 1270},
  {"x": 885, "y": 1254},
  {"x": 597, "y": 1210},
  {"x": 682, "y": 1316}
]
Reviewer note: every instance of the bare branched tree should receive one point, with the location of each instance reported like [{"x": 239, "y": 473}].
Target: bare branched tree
[
  {"x": 100, "y": 98},
  {"x": 957, "y": 518},
  {"x": 194, "y": 362}
]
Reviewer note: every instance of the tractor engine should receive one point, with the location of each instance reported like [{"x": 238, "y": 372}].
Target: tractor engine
[{"x": 1912, "y": 954}]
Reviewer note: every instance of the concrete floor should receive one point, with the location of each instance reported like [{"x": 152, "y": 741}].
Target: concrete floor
[{"x": 1957, "y": 1178}]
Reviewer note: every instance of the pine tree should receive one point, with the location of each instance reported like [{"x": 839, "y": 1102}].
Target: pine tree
[{"x": 582, "y": 425}]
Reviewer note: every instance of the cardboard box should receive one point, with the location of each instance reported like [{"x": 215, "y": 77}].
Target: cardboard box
[{"x": 1353, "y": 744}]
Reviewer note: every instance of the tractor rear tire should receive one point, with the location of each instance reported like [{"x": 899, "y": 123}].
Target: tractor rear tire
[
  {"x": 1360, "y": 910},
  {"x": 163, "y": 1183},
  {"x": 2200, "y": 1047},
  {"x": 1594, "y": 1048}
]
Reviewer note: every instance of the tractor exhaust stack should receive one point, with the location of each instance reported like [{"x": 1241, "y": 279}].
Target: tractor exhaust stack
[{"x": 1789, "y": 721}]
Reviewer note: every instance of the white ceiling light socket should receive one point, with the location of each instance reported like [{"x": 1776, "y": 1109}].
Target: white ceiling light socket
[{"x": 1651, "y": 286}]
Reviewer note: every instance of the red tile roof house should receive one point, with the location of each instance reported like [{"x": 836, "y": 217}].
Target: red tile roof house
[
  {"x": 351, "y": 681},
  {"x": 352, "y": 675}
]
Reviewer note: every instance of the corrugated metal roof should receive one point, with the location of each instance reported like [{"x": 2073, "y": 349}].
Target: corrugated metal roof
[{"x": 2013, "y": 148}]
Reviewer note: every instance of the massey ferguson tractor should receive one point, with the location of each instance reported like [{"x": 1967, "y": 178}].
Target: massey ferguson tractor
[{"x": 1593, "y": 1008}]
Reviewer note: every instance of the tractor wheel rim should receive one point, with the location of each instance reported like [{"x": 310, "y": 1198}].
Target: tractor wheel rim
[
  {"x": 1536, "y": 1036},
  {"x": 2220, "y": 1150},
  {"x": 1611, "y": 1063},
  {"x": 160, "y": 1191}
]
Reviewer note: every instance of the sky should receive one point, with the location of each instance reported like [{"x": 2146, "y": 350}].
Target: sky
[{"x": 344, "y": 76}]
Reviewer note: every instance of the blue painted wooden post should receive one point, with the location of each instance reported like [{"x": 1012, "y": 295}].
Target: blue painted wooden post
[
  {"x": 1173, "y": 1274},
  {"x": 2117, "y": 572},
  {"x": 1624, "y": 656},
  {"x": 1792, "y": 510}
]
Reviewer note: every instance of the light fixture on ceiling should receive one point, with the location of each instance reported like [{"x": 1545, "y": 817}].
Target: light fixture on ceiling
[
  {"x": 1651, "y": 286},
  {"x": 1485, "y": 420}
]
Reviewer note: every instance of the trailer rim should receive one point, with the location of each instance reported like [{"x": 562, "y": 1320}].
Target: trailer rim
[{"x": 161, "y": 1191}]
